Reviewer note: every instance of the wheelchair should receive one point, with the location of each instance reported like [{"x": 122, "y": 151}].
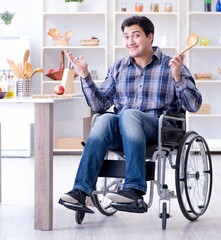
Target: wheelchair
[{"x": 193, "y": 174}]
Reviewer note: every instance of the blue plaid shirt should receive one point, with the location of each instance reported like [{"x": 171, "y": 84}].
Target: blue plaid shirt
[{"x": 151, "y": 89}]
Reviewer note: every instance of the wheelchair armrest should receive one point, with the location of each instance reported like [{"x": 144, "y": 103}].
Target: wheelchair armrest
[{"x": 172, "y": 114}]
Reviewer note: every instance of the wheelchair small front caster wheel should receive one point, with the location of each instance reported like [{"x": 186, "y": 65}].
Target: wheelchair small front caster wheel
[
  {"x": 79, "y": 216},
  {"x": 164, "y": 215}
]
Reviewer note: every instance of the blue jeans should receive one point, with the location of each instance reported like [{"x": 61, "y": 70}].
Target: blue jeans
[{"x": 132, "y": 130}]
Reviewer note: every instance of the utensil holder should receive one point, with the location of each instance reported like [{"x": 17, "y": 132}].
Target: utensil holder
[{"x": 24, "y": 87}]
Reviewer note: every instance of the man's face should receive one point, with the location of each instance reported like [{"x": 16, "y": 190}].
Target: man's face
[{"x": 136, "y": 42}]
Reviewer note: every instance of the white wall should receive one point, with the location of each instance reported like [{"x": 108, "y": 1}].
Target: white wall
[{"x": 27, "y": 22}]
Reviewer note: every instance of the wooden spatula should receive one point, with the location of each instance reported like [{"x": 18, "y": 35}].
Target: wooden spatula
[
  {"x": 28, "y": 69},
  {"x": 14, "y": 68},
  {"x": 20, "y": 70},
  {"x": 37, "y": 70}
]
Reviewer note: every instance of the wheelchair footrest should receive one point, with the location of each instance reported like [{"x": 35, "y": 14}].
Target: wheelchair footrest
[
  {"x": 136, "y": 207},
  {"x": 76, "y": 207}
]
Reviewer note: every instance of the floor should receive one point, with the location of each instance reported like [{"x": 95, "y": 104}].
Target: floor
[{"x": 16, "y": 210}]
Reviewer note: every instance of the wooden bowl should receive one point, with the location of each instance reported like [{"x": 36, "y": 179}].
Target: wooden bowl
[{"x": 57, "y": 76}]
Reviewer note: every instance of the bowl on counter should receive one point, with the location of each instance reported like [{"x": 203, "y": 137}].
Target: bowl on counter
[{"x": 3, "y": 95}]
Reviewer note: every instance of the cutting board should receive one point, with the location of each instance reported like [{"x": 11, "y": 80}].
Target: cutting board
[{"x": 67, "y": 81}]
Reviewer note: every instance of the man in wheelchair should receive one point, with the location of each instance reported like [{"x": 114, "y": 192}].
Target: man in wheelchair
[{"x": 140, "y": 88}]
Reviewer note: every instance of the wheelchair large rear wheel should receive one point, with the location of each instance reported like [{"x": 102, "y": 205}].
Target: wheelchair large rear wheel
[
  {"x": 193, "y": 175},
  {"x": 99, "y": 197}
]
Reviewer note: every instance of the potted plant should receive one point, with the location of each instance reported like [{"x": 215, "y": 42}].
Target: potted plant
[
  {"x": 73, "y": 5},
  {"x": 7, "y": 17}
]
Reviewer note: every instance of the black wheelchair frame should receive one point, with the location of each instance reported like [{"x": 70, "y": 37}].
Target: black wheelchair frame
[{"x": 193, "y": 174}]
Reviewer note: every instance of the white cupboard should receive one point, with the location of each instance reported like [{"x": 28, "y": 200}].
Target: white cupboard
[
  {"x": 103, "y": 20},
  {"x": 89, "y": 21},
  {"x": 206, "y": 60},
  {"x": 167, "y": 25}
]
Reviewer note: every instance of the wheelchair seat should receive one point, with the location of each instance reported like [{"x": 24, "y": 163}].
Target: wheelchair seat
[{"x": 117, "y": 169}]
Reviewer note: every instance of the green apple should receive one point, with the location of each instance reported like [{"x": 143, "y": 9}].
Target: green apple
[{"x": 204, "y": 41}]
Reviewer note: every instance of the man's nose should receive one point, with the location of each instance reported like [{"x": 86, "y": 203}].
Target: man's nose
[{"x": 130, "y": 40}]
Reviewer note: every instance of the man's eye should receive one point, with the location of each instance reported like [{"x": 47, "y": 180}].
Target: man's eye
[{"x": 136, "y": 36}]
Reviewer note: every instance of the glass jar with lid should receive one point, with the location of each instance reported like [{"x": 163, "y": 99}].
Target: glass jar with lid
[
  {"x": 168, "y": 7},
  {"x": 154, "y": 7},
  {"x": 123, "y": 6},
  {"x": 139, "y": 7}
]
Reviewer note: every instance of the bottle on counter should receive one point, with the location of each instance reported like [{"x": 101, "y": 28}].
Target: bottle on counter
[{"x": 207, "y": 5}]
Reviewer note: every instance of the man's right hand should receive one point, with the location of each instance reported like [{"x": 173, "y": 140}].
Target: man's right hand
[{"x": 79, "y": 63}]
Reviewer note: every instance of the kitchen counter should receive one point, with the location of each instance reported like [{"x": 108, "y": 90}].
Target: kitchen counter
[{"x": 42, "y": 115}]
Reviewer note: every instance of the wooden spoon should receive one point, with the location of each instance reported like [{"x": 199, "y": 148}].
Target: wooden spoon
[
  {"x": 191, "y": 41},
  {"x": 25, "y": 58},
  {"x": 13, "y": 67},
  {"x": 37, "y": 70}
]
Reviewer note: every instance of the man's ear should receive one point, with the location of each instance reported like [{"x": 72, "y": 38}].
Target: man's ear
[{"x": 150, "y": 37}]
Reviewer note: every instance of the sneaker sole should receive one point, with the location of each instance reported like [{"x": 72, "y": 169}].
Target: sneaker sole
[
  {"x": 75, "y": 207},
  {"x": 119, "y": 198},
  {"x": 134, "y": 207},
  {"x": 69, "y": 199}
]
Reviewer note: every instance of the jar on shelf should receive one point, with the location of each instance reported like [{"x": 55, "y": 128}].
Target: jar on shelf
[
  {"x": 123, "y": 6},
  {"x": 139, "y": 7},
  {"x": 94, "y": 74},
  {"x": 168, "y": 7},
  {"x": 154, "y": 7}
]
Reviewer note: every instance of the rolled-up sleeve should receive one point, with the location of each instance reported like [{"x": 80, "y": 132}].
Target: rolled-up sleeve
[
  {"x": 99, "y": 99},
  {"x": 189, "y": 96}
]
